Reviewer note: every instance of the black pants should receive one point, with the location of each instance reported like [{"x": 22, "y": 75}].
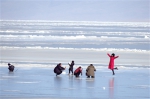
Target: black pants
[
  {"x": 113, "y": 70},
  {"x": 58, "y": 72},
  {"x": 70, "y": 70},
  {"x": 77, "y": 74}
]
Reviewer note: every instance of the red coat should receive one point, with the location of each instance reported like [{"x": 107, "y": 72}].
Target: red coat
[
  {"x": 78, "y": 70},
  {"x": 111, "y": 62}
]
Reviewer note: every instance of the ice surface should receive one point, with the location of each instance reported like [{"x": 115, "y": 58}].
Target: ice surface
[
  {"x": 36, "y": 83},
  {"x": 36, "y": 47},
  {"x": 51, "y": 57}
]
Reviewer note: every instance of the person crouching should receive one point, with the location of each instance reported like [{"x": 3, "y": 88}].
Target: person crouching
[
  {"x": 58, "y": 69},
  {"x": 11, "y": 67},
  {"x": 90, "y": 71},
  {"x": 78, "y": 71}
]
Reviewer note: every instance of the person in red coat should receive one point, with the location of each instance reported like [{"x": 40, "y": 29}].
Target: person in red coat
[
  {"x": 111, "y": 62},
  {"x": 78, "y": 71}
]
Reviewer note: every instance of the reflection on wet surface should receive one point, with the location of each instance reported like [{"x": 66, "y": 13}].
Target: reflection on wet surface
[{"x": 36, "y": 82}]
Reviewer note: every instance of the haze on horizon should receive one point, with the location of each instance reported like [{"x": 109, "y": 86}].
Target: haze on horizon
[{"x": 76, "y": 10}]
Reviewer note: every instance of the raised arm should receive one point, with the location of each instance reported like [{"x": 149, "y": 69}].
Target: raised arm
[
  {"x": 116, "y": 57},
  {"x": 68, "y": 64},
  {"x": 108, "y": 54}
]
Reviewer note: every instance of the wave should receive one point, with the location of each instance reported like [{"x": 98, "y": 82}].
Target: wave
[
  {"x": 93, "y": 49},
  {"x": 4, "y": 37},
  {"x": 127, "y": 36},
  {"x": 77, "y": 23}
]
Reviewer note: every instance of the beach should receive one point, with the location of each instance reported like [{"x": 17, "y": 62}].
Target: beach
[
  {"x": 33, "y": 77},
  {"x": 35, "y": 47}
]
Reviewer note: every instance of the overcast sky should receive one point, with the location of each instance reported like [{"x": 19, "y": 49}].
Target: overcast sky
[{"x": 76, "y": 10}]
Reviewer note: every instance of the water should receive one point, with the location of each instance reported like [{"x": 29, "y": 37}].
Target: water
[
  {"x": 35, "y": 47},
  {"x": 88, "y": 35},
  {"x": 79, "y": 41}
]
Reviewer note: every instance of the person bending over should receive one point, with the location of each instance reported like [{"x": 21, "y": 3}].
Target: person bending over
[
  {"x": 58, "y": 69},
  {"x": 11, "y": 67},
  {"x": 78, "y": 71},
  {"x": 90, "y": 71}
]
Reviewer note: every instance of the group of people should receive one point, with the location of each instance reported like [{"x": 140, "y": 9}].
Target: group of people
[{"x": 90, "y": 71}]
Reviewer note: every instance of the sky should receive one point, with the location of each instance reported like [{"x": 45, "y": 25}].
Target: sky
[{"x": 76, "y": 10}]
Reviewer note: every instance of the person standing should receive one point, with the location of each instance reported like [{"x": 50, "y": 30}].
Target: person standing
[
  {"x": 71, "y": 67},
  {"x": 90, "y": 71},
  {"x": 58, "y": 69},
  {"x": 78, "y": 71},
  {"x": 11, "y": 67},
  {"x": 111, "y": 62}
]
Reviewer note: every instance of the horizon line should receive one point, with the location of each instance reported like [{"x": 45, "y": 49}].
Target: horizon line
[{"x": 70, "y": 21}]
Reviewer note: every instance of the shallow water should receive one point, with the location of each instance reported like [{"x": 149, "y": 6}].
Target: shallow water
[{"x": 42, "y": 83}]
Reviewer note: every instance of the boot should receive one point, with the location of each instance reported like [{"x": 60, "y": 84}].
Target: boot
[{"x": 116, "y": 68}]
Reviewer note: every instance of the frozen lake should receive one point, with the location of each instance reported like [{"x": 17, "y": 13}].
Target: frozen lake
[
  {"x": 34, "y": 78},
  {"x": 42, "y": 83},
  {"x": 36, "y": 47}
]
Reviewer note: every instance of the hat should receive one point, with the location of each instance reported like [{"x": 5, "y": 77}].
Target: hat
[{"x": 113, "y": 54}]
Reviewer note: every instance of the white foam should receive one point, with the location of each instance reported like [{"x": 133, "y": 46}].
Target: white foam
[
  {"x": 76, "y": 37},
  {"x": 146, "y": 37},
  {"x": 94, "y": 49},
  {"x": 74, "y": 23}
]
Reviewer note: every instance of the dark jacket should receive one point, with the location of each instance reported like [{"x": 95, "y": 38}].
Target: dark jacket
[
  {"x": 11, "y": 68},
  {"x": 71, "y": 65},
  {"x": 58, "y": 69}
]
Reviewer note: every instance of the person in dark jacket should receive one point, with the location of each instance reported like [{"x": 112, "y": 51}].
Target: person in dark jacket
[
  {"x": 111, "y": 62},
  {"x": 11, "y": 67},
  {"x": 78, "y": 71},
  {"x": 58, "y": 69},
  {"x": 90, "y": 71},
  {"x": 71, "y": 67}
]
